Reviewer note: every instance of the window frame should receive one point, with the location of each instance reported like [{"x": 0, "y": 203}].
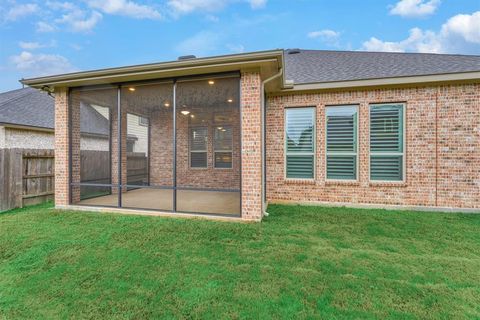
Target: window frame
[
  {"x": 404, "y": 147},
  {"x": 190, "y": 151},
  {"x": 140, "y": 118},
  {"x": 222, "y": 150},
  {"x": 314, "y": 140},
  {"x": 357, "y": 132}
]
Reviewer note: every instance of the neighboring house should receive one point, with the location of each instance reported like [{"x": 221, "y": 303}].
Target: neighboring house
[
  {"x": 226, "y": 135},
  {"x": 27, "y": 119}
]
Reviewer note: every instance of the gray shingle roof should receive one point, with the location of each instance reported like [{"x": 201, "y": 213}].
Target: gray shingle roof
[
  {"x": 28, "y": 107},
  {"x": 310, "y": 66},
  {"x": 33, "y": 108}
]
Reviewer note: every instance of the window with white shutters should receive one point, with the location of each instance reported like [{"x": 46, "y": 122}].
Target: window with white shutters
[
  {"x": 386, "y": 142},
  {"x": 198, "y": 147},
  {"x": 300, "y": 143},
  {"x": 223, "y": 145},
  {"x": 341, "y": 142}
]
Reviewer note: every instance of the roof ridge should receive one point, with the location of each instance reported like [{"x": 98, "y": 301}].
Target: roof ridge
[{"x": 389, "y": 52}]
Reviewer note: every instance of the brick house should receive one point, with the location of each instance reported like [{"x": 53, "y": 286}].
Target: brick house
[{"x": 229, "y": 134}]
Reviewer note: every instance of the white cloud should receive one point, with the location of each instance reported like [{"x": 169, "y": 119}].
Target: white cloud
[
  {"x": 329, "y": 37},
  {"x": 41, "y": 64},
  {"x": 188, "y": 6},
  {"x": 19, "y": 11},
  {"x": 30, "y": 45},
  {"x": 56, "y": 5},
  {"x": 324, "y": 34},
  {"x": 125, "y": 8},
  {"x": 255, "y": 4},
  {"x": 417, "y": 41},
  {"x": 465, "y": 26},
  {"x": 36, "y": 45},
  {"x": 45, "y": 27},
  {"x": 78, "y": 21},
  {"x": 179, "y": 7},
  {"x": 415, "y": 8},
  {"x": 460, "y": 34},
  {"x": 200, "y": 44}
]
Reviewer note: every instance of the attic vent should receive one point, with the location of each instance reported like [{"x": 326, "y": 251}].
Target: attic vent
[
  {"x": 293, "y": 51},
  {"x": 191, "y": 56}
]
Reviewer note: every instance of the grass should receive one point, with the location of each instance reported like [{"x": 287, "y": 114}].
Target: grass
[{"x": 301, "y": 262}]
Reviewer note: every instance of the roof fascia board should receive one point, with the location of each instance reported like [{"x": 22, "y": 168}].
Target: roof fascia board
[
  {"x": 25, "y": 127},
  {"x": 450, "y": 77},
  {"x": 174, "y": 66}
]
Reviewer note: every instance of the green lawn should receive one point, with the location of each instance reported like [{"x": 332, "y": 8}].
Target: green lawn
[{"x": 302, "y": 262}]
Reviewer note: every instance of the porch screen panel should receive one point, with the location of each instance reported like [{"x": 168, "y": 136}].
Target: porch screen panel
[
  {"x": 386, "y": 142},
  {"x": 147, "y": 112},
  {"x": 300, "y": 142},
  {"x": 208, "y": 145},
  {"x": 341, "y": 136},
  {"x": 94, "y": 144}
]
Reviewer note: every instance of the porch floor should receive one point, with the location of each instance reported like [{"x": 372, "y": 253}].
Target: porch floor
[{"x": 161, "y": 199}]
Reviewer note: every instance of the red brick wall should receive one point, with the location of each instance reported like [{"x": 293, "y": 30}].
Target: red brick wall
[
  {"x": 456, "y": 181},
  {"x": 61, "y": 147},
  {"x": 251, "y": 146},
  {"x": 210, "y": 177}
]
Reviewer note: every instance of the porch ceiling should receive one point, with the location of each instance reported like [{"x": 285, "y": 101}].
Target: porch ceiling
[{"x": 267, "y": 62}]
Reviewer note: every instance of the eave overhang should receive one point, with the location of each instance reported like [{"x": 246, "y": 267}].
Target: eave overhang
[
  {"x": 265, "y": 62},
  {"x": 460, "y": 77}
]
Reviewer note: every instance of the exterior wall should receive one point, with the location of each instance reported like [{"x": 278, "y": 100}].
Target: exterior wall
[
  {"x": 62, "y": 192},
  {"x": 34, "y": 139},
  {"x": 139, "y": 131},
  {"x": 442, "y": 157},
  {"x": 28, "y": 139},
  {"x": 250, "y": 102},
  {"x": 210, "y": 177},
  {"x": 93, "y": 143},
  {"x": 2, "y": 137}
]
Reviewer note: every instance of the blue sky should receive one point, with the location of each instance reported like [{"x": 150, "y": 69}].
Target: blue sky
[{"x": 48, "y": 37}]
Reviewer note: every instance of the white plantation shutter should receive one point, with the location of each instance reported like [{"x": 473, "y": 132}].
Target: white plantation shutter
[
  {"x": 300, "y": 142},
  {"x": 386, "y": 142},
  {"x": 341, "y": 138},
  {"x": 223, "y": 145},
  {"x": 198, "y": 147}
]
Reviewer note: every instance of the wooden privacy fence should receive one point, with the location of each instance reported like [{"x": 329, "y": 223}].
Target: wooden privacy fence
[{"x": 26, "y": 177}]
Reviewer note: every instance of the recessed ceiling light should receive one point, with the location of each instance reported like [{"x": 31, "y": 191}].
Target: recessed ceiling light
[
  {"x": 230, "y": 100},
  {"x": 166, "y": 104},
  {"x": 131, "y": 89},
  {"x": 185, "y": 112},
  {"x": 192, "y": 116},
  {"x": 211, "y": 82}
]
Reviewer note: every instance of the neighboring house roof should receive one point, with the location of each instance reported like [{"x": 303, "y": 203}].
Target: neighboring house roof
[
  {"x": 27, "y": 107},
  {"x": 313, "y": 66},
  {"x": 34, "y": 108}
]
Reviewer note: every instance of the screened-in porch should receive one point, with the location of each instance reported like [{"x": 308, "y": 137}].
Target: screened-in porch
[{"x": 163, "y": 145}]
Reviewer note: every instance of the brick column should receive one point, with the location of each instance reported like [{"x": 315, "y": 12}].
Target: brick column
[
  {"x": 251, "y": 146},
  {"x": 62, "y": 193},
  {"x": 75, "y": 141},
  {"x": 115, "y": 145}
]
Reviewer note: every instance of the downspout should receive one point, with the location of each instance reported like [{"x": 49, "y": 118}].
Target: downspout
[{"x": 263, "y": 110}]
